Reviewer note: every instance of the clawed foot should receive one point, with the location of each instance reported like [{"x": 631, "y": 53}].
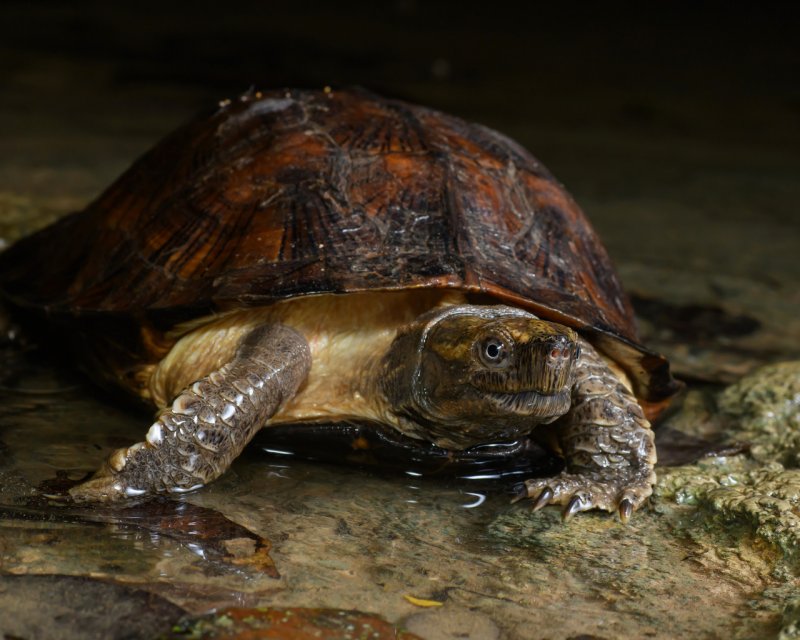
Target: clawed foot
[
  {"x": 133, "y": 473},
  {"x": 620, "y": 491},
  {"x": 99, "y": 489},
  {"x": 110, "y": 483}
]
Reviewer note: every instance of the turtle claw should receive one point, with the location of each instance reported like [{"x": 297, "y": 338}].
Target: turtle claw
[
  {"x": 622, "y": 492},
  {"x": 575, "y": 505},
  {"x": 119, "y": 479},
  {"x": 520, "y": 495},
  {"x": 544, "y": 499},
  {"x": 625, "y": 510},
  {"x": 98, "y": 489}
]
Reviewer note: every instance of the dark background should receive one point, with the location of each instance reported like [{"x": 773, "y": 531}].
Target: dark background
[{"x": 632, "y": 65}]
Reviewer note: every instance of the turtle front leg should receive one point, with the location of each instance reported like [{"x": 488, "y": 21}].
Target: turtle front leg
[
  {"x": 195, "y": 440},
  {"x": 607, "y": 444}
]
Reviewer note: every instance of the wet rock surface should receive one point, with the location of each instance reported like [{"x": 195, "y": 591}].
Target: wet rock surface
[
  {"x": 452, "y": 623},
  {"x": 689, "y": 176},
  {"x": 759, "y": 492},
  {"x": 71, "y": 607},
  {"x": 296, "y": 623},
  {"x": 764, "y": 409}
]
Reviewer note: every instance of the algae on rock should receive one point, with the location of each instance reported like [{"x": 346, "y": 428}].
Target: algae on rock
[
  {"x": 764, "y": 409},
  {"x": 763, "y": 490}
]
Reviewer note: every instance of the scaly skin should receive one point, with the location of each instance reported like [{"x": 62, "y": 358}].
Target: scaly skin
[
  {"x": 458, "y": 376},
  {"x": 607, "y": 444},
  {"x": 195, "y": 440}
]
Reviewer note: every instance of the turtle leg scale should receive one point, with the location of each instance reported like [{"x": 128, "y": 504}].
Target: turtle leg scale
[
  {"x": 607, "y": 444},
  {"x": 209, "y": 423}
]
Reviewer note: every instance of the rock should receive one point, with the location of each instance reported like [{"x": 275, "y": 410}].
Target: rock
[
  {"x": 66, "y": 607},
  {"x": 452, "y": 623},
  {"x": 292, "y": 622},
  {"x": 764, "y": 408},
  {"x": 762, "y": 491}
]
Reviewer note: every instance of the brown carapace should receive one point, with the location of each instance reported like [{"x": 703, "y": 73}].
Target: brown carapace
[{"x": 290, "y": 193}]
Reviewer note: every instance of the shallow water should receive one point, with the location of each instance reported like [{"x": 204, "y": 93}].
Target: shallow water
[
  {"x": 688, "y": 168},
  {"x": 349, "y": 539}
]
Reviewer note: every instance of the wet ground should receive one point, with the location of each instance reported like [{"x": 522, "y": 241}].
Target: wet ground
[{"x": 683, "y": 151}]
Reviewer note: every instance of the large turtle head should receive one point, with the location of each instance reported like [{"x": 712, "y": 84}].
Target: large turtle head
[{"x": 470, "y": 374}]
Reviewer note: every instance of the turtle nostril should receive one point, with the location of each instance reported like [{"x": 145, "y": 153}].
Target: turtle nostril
[{"x": 559, "y": 349}]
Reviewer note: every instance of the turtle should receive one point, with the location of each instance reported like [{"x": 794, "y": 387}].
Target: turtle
[{"x": 296, "y": 256}]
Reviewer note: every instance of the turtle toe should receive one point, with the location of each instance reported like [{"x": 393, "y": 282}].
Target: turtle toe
[
  {"x": 622, "y": 492},
  {"x": 100, "y": 489}
]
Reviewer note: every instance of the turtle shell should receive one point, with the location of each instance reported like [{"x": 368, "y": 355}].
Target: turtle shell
[{"x": 292, "y": 193}]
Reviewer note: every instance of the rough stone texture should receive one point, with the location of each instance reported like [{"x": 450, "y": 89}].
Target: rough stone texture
[
  {"x": 38, "y": 607},
  {"x": 294, "y": 623},
  {"x": 763, "y": 490},
  {"x": 764, "y": 409},
  {"x": 452, "y": 624},
  {"x": 752, "y": 502},
  {"x": 791, "y": 621}
]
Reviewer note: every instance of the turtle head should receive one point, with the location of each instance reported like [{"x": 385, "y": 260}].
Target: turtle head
[{"x": 472, "y": 374}]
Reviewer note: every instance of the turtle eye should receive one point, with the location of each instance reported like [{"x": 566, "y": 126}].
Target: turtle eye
[{"x": 493, "y": 351}]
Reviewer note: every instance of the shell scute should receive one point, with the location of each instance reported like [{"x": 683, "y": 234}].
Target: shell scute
[{"x": 300, "y": 192}]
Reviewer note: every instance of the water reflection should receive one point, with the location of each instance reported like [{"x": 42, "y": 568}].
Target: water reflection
[
  {"x": 480, "y": 498},
  {"x": 493, "y": 467}
]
